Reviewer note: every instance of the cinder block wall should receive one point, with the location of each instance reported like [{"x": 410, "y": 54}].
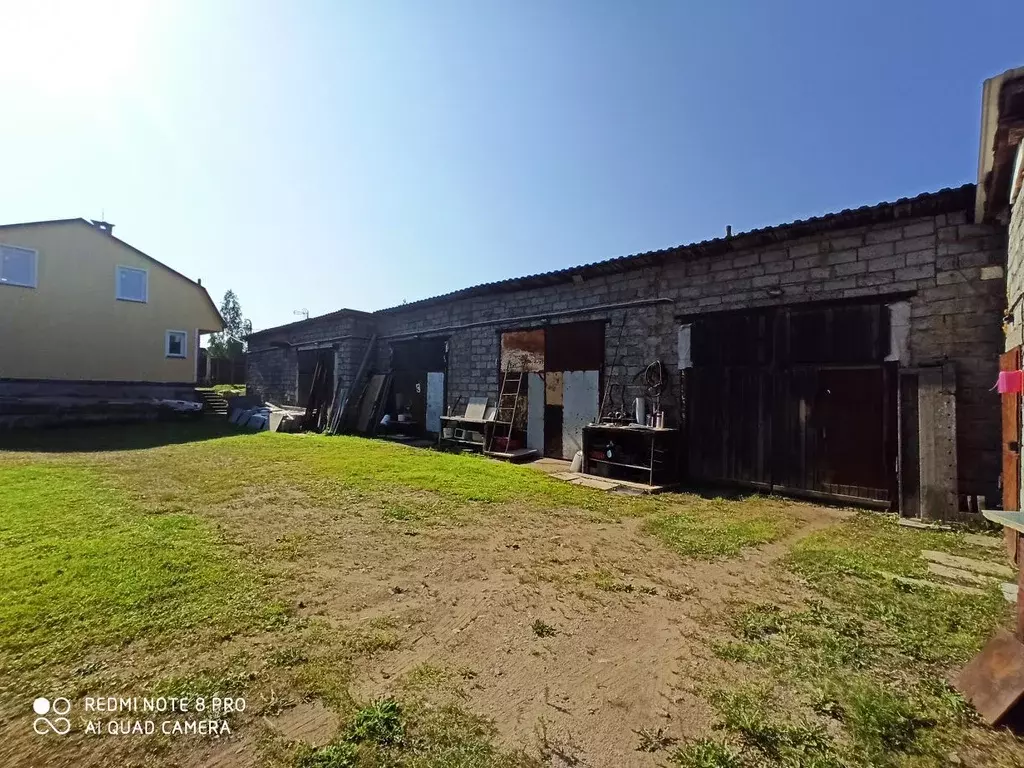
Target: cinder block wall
[
  {"x": 951, "y": 268},
  {"x": 272, "y": 371},
  {"x": 955, "y": 311},
  {"x": 271, "y": 374}
]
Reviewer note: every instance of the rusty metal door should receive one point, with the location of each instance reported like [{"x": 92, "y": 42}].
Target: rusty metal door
[{"x": 1011, "y": 402}]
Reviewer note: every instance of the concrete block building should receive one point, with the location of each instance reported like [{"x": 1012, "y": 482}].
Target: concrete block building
[
  {"x": 846, "y": 357},
  {"x": 1000, "y": 201}
]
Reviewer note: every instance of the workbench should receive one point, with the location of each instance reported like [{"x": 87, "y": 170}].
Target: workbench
[
  {"x": 467, "y": 432},
  {"x": 631, "y": 452}
]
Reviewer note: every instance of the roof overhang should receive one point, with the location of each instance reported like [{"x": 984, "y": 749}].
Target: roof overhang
[{"x": 1002, "y": 129}]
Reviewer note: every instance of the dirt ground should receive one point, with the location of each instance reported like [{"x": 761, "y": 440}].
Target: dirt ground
[
  {"x": 631, "y": 622},
  {"x": 587, "y": 637}
]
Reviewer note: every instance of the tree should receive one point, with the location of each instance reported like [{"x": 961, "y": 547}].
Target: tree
[{"x": 231, "y": 342}]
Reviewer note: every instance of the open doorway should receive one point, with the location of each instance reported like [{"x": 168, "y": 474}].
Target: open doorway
[
  {"x": 308, "y": 359},
  {"x": 417, "y": 397},
  {"x": 563, "y": 365}
]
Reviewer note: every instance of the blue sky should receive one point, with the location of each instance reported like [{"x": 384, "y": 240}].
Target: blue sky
[{"x": 322, "y": 155}]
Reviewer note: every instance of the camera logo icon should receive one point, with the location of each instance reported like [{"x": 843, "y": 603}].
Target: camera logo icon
[{"x": 60, "y": 707}]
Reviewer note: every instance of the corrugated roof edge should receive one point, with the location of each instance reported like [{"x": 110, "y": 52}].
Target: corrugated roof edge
[
  {"x": 925, "y": 204},
  {"x": 928, "y": 203},
  {"x": 336, "y": 313}
]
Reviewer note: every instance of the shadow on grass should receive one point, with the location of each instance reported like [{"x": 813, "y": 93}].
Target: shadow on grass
[
  {"x": 85, "y": 438},
  {"x": 741, "y": 493}
]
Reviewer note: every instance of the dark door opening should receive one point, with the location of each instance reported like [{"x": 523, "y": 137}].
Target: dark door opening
[
  {"x": 849, "y": 419},
  {"x": 418, "y": 390},
  {"x": 307, "y": 360}
]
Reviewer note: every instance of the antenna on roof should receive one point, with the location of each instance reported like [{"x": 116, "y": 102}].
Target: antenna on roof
[{"x": 303, "y": 311}]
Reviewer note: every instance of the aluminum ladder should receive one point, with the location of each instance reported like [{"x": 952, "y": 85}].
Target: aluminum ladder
[{"x": 508, "y": 403}]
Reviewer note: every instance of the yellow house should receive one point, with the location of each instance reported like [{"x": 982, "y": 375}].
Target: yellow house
[{"x": 79, "y": 305}]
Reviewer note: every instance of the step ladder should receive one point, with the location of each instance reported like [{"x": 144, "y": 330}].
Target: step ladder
[{"x": 506, "y": 409}]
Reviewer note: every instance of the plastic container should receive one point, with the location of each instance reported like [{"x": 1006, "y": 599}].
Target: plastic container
[{"x": 577, "y": 462}]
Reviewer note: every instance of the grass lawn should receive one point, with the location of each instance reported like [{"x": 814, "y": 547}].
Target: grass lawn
[{"x": 376, "y": 605}]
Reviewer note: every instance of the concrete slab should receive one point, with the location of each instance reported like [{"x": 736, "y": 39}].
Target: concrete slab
[
  {"x": 993, "y": 542},
  {"x": 969, "y": 564},
  {"x": 956, "y": 573},
  {"x": 551, "y": 466},
  {"x": 569, "y": 476},
  {"x": 593, "y": 482},
  {"x": 1010, "y": 591}
]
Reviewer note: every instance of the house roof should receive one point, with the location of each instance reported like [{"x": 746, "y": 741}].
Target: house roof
[
  {"x": 1002, "y": 130},
  {"x": 926, "y": 204},
  {"x": 146, "y": 256}
]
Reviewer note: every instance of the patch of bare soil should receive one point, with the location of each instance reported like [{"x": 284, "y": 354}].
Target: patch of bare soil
[
  {"x": 309, "y": 721},
  {"x": 572, "y": 635}
]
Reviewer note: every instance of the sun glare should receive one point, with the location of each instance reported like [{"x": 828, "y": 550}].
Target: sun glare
[{"x": 70, "y": 49}]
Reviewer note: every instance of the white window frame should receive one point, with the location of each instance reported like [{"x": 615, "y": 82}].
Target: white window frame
[
  {"x": 35, "y": 267},
  {"x": 117, "y": 283},
  {"x": 184, "y": 345}
]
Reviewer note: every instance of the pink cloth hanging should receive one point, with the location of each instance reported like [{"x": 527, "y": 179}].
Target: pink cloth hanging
[{"x": 1010, "y": 381}]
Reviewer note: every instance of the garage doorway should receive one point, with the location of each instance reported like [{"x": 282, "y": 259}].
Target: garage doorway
[
  {"x": 795, "y": 399},
  {"x": 308, "y": 360},
  {"x": 417, "y": 397},
  {"x": 563, "y": 364}
]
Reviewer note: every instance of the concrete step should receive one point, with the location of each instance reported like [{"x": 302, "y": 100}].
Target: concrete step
[{"x": 214, "y": 403}]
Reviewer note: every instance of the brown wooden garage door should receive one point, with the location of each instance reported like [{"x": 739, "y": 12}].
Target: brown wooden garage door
[{"x": 795, "y": 399}]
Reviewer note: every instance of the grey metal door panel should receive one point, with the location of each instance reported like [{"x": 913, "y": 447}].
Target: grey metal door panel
[
  {"x": 580, "y": 404},
  {"x": 535, "y": 411},
  {"x": 435, "y": 400}
]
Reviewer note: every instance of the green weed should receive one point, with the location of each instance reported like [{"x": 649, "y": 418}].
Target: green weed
[
  {"x": 379, "y": 723},
  {"x": 706, "y": 753}
]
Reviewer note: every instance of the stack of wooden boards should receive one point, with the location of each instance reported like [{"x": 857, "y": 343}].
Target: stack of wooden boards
[{"x": 358, "y": 408}]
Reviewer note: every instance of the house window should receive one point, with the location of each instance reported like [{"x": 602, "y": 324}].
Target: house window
[
  {"x": 175, "y": 344},
  {"x": 132, "y": 284},
  {"x": 17, "y": 266}
]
